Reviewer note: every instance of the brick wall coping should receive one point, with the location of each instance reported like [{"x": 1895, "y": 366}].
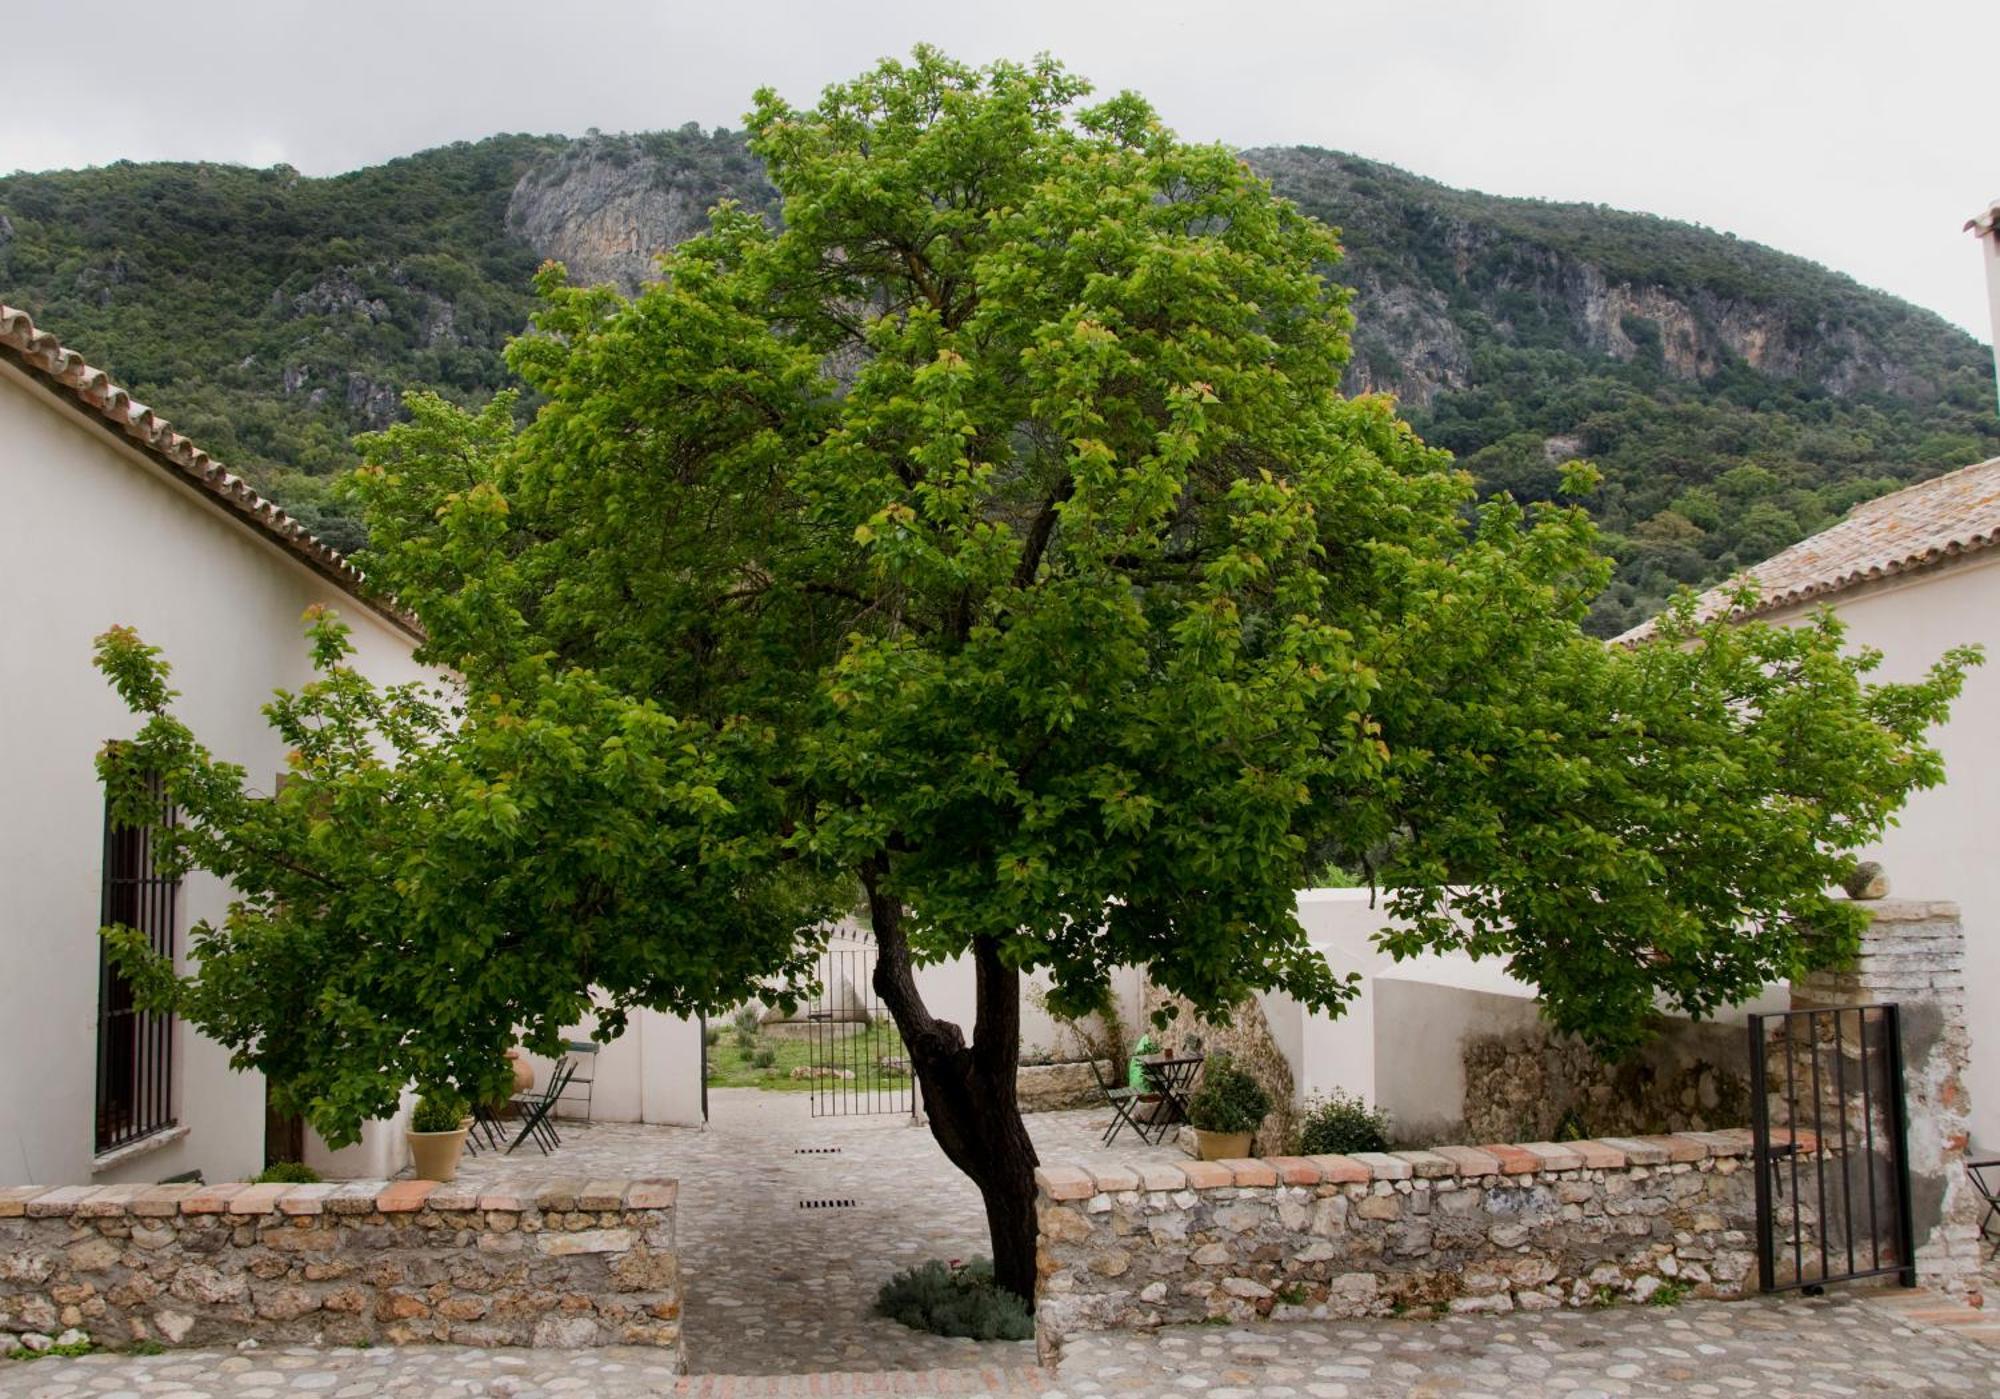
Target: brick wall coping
[
  {"x": 330, "y": 1197},
  {"x": 1362, "y": 1168}
]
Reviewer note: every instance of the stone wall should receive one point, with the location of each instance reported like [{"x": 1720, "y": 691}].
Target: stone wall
[
  {"x": 343, "y": 1263},
  {"x": 1492, "y": 1228},
  {"x": 1537, "y": 1083},
  {"x": 1059, "y": 1087}
]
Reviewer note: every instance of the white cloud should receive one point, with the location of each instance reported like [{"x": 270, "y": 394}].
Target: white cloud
[{"x": 1854, "y": 134}]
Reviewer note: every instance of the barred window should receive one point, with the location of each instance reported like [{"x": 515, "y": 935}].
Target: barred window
[{"x": 135, "y": 1048}]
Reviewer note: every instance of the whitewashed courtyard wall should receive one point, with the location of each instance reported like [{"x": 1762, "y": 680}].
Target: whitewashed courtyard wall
[{"x": 94, "y": 533}]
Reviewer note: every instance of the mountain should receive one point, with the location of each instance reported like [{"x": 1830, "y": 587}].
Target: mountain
[{"x": 1735, "y": 398}]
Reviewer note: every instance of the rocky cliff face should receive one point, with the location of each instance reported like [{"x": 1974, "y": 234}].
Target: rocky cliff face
[{"x": 606, "y": 207}]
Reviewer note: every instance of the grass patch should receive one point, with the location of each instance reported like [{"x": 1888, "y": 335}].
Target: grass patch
[
  {"x": 1670, "y": 1293},
  {"x": 872, "y": 1052},
  {"x": 947, "y": 1301}
]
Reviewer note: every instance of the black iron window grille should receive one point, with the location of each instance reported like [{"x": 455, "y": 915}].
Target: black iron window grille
[{"x": 135, "y": 1047}]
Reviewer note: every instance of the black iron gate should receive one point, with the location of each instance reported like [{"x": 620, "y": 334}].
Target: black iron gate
[
  {"x": 1832, "y": 1158},
  {"x": 858, "y": 1063}
]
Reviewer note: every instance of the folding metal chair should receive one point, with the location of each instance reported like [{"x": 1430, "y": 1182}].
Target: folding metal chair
[
  {"x": 1985, "y": 1176},
  {"x": 1122, "y": 1101},
  {"x": 537, "y": 1114}
]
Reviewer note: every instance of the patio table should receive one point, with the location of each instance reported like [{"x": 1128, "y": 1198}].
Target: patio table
[{"x": 1173, "y": 1079}]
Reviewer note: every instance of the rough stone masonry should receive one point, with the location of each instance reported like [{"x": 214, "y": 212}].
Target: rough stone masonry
[
  {"x": 574, "y": 1264},
  {"x": 1488, "y": 1228}
]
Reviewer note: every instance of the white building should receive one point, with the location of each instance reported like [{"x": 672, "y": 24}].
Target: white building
[
  {"x": 1913, "y": 574},
  {"x": 108, "y": 516}
]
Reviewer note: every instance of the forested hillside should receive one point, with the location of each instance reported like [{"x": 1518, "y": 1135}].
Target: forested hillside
[{"x": 1735, "y": 398}]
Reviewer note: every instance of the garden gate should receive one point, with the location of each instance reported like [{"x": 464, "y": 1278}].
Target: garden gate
[
  {"x": 858, "y": 1063},
  {"x": 1832, "y": 1160}
]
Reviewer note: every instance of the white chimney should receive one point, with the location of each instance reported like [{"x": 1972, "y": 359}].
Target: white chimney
[{"x": 1987, "y": 226}]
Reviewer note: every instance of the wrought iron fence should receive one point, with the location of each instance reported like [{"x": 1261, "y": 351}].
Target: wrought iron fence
[
  {"x": 858, "y": 1063},
  {"x": 1832, "y": 1160}
]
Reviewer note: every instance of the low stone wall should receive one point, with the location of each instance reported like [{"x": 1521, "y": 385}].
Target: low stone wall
[
  {"x": 1492, "y": 1228},
  {"x": 343, "y": 1263},
  {"x": 1059, "y": 1087}
]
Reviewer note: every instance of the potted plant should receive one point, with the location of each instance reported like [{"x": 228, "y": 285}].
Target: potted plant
[
  {"x": 1225, "y": 1110},
  {"x": 438, "y": 1126}
]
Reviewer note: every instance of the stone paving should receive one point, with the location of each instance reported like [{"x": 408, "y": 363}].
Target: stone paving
[
  {"x": 1850, "y": 1344},
  {"x": 775, "y": 1288}
]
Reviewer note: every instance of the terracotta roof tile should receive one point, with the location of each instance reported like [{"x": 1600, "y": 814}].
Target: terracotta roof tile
[
  {"x": 92, "y": 392},
  {"x": 1957, "y": 513}
]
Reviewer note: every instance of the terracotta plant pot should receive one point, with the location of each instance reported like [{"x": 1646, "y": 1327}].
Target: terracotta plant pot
[
  {"x": 524, "y": 1072},
  {"x": 1221, "y": 1146},
  {"x": 434, "y": 1155}
]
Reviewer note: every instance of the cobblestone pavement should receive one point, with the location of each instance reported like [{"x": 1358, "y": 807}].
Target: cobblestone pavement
[
  {"x": 777, "y": 1288},
  {"x": 1843, "y": 1345}
]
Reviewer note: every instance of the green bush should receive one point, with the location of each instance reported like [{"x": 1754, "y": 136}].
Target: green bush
[
  {"x": 747, "y": 1020},
  {"x": 437, "y": 1111},
  {"x": 1340, "y": 1123},
  {"x": 1229, "y": 1100},
  {"x": 764, "y": 1058},
  {"x": 289, "y": 1173},
  {"x": 948, "y": 1301}
]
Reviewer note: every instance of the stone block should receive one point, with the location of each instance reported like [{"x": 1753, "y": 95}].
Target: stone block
[
  {"x": 1427, "y": 1165},
  {"x": 1469, "y": 1161},
  {"x": 1155, "y": 1175},
  {"x": 1598, "y": 1155},
  {"x": 1248, "y": 1171},
  {"x": 1382, "y": 1166},
  {"x": 1553, "y": 1156},
  {"x": 1638, "y": 1152},
  {"x": 1514, "y": 1161},
  {"x": 1208, "y": 1175},
  {"x": 1341, "y": 1170},
  {"x": 307, "y": 1199},
  {"x": 403, "y": 1196},
  {"x": 1114, "y": 1179},
  {"x": 639, "y": 1195},
  {"x": 1064, "y": 1182},
  {"x": 1295, "y": 1170}
]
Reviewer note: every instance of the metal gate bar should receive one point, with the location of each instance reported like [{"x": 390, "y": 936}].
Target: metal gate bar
[
  {"x": 858, "y": 1062},
  {"x": 1824, "y": 1127}
]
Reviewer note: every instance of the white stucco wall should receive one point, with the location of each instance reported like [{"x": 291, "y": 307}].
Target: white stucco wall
[
  {"x": 93, "y": 533},
  {"x": 1947, "y": 844}
]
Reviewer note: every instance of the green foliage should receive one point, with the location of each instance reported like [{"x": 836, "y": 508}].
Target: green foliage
[
  {"x": 438, "y": 1112},
  {"x": 290, "y": 1173},
  {"x": 765, "y": 1057},
  {"x": 415, "y": 889},
  {"x": 1228, "y": 1099},
  {"x": 995, "y": 537},
  {"x": 1339, "y": 1123},
  {"x": 747, "y": 1020},
  {"x": 1670, "y": 1293},
  {"x": 954, "y": 1301}
]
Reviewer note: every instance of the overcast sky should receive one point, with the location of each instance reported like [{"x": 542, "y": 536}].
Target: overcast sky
[{"x": 1861, "y": 135}]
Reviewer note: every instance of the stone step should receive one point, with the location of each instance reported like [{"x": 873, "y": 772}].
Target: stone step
[{"x": 958, "y": 1384}]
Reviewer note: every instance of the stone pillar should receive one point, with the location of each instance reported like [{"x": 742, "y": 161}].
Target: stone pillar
[{"x": 1913, "y": 954}]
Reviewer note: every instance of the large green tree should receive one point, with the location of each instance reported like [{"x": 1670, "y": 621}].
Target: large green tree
[{"x": 993, "y": 539}]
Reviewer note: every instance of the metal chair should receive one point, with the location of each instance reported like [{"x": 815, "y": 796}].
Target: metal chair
[
  {"x": 1121, "y": 1100},
  {"x": 537, "y": 1114},
  {"x": 586, "y": 1070},
  {"x": 1985, "y": 1177}
]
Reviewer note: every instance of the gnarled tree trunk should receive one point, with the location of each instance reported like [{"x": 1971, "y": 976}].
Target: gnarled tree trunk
[{"x": 969, "y": 1090}]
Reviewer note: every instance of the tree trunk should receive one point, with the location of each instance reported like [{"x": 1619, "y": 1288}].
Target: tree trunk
[{"x": 969, "y": 1090}]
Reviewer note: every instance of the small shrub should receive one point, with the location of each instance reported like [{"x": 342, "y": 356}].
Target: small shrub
[
  {"x": 1293, "y": 1294},
  {"x": 765, "y": 1058},
  {"x": 1229, "y": 1100},
  {"x": 1604, "y": 1296},
  {"x": 437, "y": 1111},
  {"x": 1571, "y": 1127},
  {"x": 289, "y": 1173},
  {"x": 1670, "y": 1293},
  {"x": 1341, "y": 1123},
  {"x": 746, "y": 1020},
  {"x": 712, "y": 1036},
  {"x": 948, "y": 1301}
]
